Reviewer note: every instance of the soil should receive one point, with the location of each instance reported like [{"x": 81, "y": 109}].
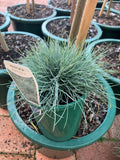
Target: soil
[
  {"x": 62, "y": 4},
  {"x": 17, "y": 45},
  {"x": 95, "y": 115},
  {"x": 116, "y": 6},
  {"x": 112, "y": 20},
  {"x": 61, "y": 28},
  {"x": 2, "y": 19},
  {"x": 113, "y": 55},
  {"x": 41, "y": 11}
]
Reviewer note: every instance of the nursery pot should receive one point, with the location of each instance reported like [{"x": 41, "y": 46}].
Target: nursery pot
[
  {"x": 113, "y": 81},
  {"x": 4, "y": 27},
  {"x": 60, "y": 11},
  {"x": 112, "y": 9},
  {"x": 109, "y": 31},
  {"x": 5, "y": 78},
  {"x": 4, "y": 83},
  {"x": 67, "y": 126},
  {"x": 69, "y": 144},
  {"x": 48, "y": 34},
  {"x": 28, "y": 25}
]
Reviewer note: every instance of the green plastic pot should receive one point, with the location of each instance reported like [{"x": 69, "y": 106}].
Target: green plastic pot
[
  {"x": 4, "y": 27},
  {"x": 99, "y": 3},
  {"x": 112, "y": 9},
  {"x": 28, "y": 25},
  {"x": 109, "y": 31},
  {"x": 5, "y": 78},
  {"x": 4, "y": 83},
  {"x": 69, "y": 144},
  {"x": 61, "y": 132},
  {"x": 48, "y": 35},
  {"x": 113, "y": 81},
  {"x": 60, "y": 11}
]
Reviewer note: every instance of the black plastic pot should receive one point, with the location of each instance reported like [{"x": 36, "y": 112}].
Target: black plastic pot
[
  {"x": 48, "y": 35},
  {"x": 5, "y": 78},
  {"x": 4, "y": 27},
  {"x": 69, "y": 144},
  {"x": 113, "y": 81},
  {"x": 28, "y": 25}
]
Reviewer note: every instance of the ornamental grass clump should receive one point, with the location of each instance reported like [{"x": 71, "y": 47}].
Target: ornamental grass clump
[{"x": 64, "y": 74}]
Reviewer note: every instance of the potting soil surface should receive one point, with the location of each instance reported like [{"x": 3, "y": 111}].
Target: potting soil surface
[
  {"x": 62, "y": 4},
  {"x": 17, "y": 44},
  {"x": 41, "y": 11},
  {"x": 112, "y": 20},
  {"x": 111, "y": 56},
  {"x": 61, "y": 28}
]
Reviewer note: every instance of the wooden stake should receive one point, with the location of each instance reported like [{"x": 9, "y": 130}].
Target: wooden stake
[
  {"x": 77, "y": 19},
  {"x": 102, "y": 8},
  {"x": 86, "y": 21},
  {"x": 3, "y": 43},
  {"x": 28, "y": 7},
  {"x": 33, "y": 6},
  {"x": 68, "y": 2},
  {"x": 108, "y": 11},
  {"x": 72, "y": 11}
]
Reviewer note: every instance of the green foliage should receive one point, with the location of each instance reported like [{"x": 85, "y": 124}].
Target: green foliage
[{"x": 64, "y": 73}]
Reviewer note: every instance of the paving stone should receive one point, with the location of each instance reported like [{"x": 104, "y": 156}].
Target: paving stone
[
  {"x": 15, "y": 157},
  {"x": 55, "y": 153},
  {"x": 98, "y": 151},
  {"x": 4, "y": 112},
  {"x": 11, "y": 140},
  {"x": 114, "y": 132}
]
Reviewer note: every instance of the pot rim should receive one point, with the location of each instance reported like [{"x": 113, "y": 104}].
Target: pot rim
[
  {"x": 101, "y": 41},
  {"x": 107, "y": 26},
  {"x": 46, "y": 32},
  {"x": 112, "y": 9},
  {"x": 69, "y": 144},
  {"x": 29, "y": 20},
  {"x": 6, "y": 23},
  {"x": 58, "y": 9}
]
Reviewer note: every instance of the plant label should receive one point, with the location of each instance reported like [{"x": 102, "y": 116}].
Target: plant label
[{"x": 25, "y": 81}]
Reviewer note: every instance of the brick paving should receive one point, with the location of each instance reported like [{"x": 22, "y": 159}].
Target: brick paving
[{"x": 14, "y": 146}]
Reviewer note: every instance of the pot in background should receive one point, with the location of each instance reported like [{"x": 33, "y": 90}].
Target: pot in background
[{"x": 4, "y": 27}]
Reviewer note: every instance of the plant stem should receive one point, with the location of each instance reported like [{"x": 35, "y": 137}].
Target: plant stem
[
  {"x": 86, "y": 21},
  {"x": 102, "y": 8},
  {"x": 77, "y": 19},
  {"x": 28, "y": 7},
  {"x": 3, "y": 43},
  {"x": 108, "y": 11}
]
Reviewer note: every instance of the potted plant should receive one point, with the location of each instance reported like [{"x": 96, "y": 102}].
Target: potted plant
[
  {"x": 63, "y": 8},
  {"x": 115, "y": 6},
  {"x": 58, "y": 28},
  {"x": 106, "y": 19},
  {"x": 29, "y": 17},
  {"x": 15, "y": 43},
  {"x": 112, "y": 56},
  {"x": 65, "y": 76},
  {"x": 5, "y": 22}
]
